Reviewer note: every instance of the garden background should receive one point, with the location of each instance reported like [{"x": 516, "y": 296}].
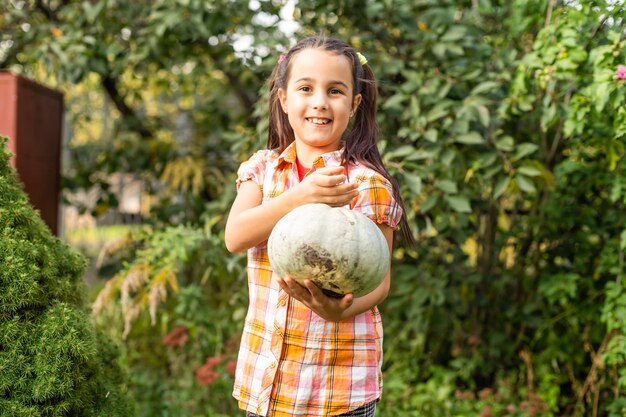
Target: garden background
[{"x": 503, "y": 120}]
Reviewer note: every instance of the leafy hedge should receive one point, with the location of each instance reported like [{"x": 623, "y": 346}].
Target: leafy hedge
[{"x": 52, "y": 360}]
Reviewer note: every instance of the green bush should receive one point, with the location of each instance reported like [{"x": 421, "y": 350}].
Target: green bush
[
  {"x": 52, "y": 361},
  {"x": 177, "y": 302}
]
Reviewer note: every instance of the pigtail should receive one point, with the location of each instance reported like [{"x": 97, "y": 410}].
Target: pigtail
[
  {"x": 279, "y": 132},
  {"x": 360, "y": 143},
  {"x": 361, "y": 140}
]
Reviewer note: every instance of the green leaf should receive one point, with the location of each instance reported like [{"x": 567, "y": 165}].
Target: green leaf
[
  {"x": 421, "y": 154},
  {"x": 429, "y": 203},
  {"x": 483, "y": 114},
  {"x": 455, "y": 33},
  {"x": 505, "y": 143},
  {"x": 470, "y": 138},
  {"x": 459, "y": 203},
  {"x": 394, "y": 102},
  {"x": 431, "y": 135},
  {"x": 548, "y": 117},
  {"x": 92, "y": 11},
  {"x": 492, "y": 171},
  {"x": 446, "y": 186},
  {"x": 401, "y": 152},
  {"x": 439, "y": 49},
  {"x": 447, "y": 157},
  {"x": 501, "y": 187},
  {"x": 525, "y": 184},
  {"x": 601, "y": 94},
  {"x": 455, "y": 49},
  {"x": 414, "y": 182},
  {"x": 524, "y": 149},
  {"x": 529, "y": 171},
  {"x": 438, "y": 111},
  {"x": 484, "y": 87}
]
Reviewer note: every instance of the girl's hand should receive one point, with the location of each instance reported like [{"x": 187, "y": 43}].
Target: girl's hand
[
  {"x": 310, "y": 295},
  {"x": 326, "y": 185}
]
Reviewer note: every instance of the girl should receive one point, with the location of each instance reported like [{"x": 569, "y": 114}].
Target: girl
[{"x": 303, "y": 353}]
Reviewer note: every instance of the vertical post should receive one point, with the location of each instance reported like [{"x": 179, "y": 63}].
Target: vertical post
[{"x": 31, "y": 115}]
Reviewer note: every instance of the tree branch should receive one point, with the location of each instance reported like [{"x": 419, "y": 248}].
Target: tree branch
[
  {"x": 51, "y": 14},
  {"x": 599, "y": 26},
  {"x": 134, "y": 122},
  {"x": 240, "y": 91},
  {"x": 596, "y": 362},
  {"x": 549, "y": 12}
]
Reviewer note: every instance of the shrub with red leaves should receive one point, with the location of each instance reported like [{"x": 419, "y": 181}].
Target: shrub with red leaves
[
  {"x": 205, "y": 375},
  {"x": 177, "y": 337}
]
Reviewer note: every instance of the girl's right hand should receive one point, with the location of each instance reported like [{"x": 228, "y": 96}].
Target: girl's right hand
[{"x": 326, "y": 185}]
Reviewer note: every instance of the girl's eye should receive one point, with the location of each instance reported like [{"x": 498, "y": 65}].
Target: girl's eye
[
  {"x": 305, "y": 88},
  {"x": 335, "y": 91}
]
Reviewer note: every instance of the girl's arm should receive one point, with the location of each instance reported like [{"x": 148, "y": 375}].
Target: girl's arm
[
  {"x": 333, "y": 309},
  {"x": 250, "y": 222}
]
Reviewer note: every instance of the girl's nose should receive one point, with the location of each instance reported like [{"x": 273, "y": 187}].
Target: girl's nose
[{"x": 319, "y": 102}]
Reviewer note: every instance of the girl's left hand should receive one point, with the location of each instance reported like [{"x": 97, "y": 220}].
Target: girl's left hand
[{"x": 310, "y": 295}]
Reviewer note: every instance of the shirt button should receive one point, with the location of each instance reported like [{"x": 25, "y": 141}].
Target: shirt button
[
  {"x": 282, "y": 302},
  {"x": 279, "y": 332},
  {"x": 272, "y": 365}
]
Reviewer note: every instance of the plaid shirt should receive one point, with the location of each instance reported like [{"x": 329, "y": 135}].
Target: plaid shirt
[{"x": 291, "y": 361}]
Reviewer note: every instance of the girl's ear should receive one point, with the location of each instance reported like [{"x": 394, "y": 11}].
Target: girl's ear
[
  {"x": 282, "y": 97},
  {"x": 355, "y": 103}
]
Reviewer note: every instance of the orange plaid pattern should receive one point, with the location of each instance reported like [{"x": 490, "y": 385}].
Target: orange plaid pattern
[{"x": 291, "y": 361}]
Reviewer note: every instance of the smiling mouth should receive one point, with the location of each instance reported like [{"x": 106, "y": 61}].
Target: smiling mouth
[{"x": 318, "y": 121}]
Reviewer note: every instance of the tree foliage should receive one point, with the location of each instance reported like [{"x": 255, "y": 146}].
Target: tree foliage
[
  {"x": 52, "y": 360},
  {"x": 504, "y": 122}
]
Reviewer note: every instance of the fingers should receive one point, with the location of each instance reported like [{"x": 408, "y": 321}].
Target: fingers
[
  {"x": 340, "y": 199},
  {"x": 313, "y": 289},
  {"x": 316, "y": 292},
  {"x": 294, "y": 289},
  {"x": 335, "y": 184},
  {"x": 339, "y": 170},
  {"x": 334, "y": 190},
  {"x": 310, "y": 295},
  {"x": 330, "y": 176},
  {"x": 347, "y": 301},
  {"x": 330, "y": 180}
]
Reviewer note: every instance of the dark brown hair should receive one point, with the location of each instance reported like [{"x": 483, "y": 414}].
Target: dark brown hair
[{"x": 360, "y": 140}]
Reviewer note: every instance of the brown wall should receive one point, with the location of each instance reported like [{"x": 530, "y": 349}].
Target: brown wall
[{"x": 31, "y": 115}]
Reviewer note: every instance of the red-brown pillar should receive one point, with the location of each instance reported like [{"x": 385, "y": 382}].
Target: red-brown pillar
[{"x": 31, "y": 115}]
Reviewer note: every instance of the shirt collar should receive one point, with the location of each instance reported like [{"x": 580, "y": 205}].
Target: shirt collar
[{"x": 328, "y": 159}]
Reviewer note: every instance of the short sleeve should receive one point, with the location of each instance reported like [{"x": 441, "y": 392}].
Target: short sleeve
[
  {"x": 376, "y": 201},
  {"x": 253, "y": 169}
]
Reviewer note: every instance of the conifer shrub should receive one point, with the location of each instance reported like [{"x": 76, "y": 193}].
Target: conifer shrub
[{"x": 53, "y": 362}]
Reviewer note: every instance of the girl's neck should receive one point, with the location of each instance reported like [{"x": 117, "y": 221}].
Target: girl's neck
[{"x": 307, "y": 154}]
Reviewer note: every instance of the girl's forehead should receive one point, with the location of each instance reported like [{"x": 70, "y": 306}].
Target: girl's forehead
[{"x": 319, "y": 63}]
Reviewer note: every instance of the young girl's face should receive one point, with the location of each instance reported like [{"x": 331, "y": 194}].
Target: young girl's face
[{"x": 319, "y": 99}]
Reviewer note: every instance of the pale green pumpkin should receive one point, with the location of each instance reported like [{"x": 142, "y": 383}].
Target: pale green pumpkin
[{"x": 340, "y": 250}]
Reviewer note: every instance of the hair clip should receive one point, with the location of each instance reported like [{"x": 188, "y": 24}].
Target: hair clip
[
  {"x": 362, "y": 58},
  {"x": 281, "y": 58}
]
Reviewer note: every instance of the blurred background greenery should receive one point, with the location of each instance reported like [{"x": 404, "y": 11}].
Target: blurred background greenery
[{"x": 503, "y": 120}]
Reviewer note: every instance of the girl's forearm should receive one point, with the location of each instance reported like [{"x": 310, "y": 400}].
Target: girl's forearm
[{"x": 253, "y": 225}]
